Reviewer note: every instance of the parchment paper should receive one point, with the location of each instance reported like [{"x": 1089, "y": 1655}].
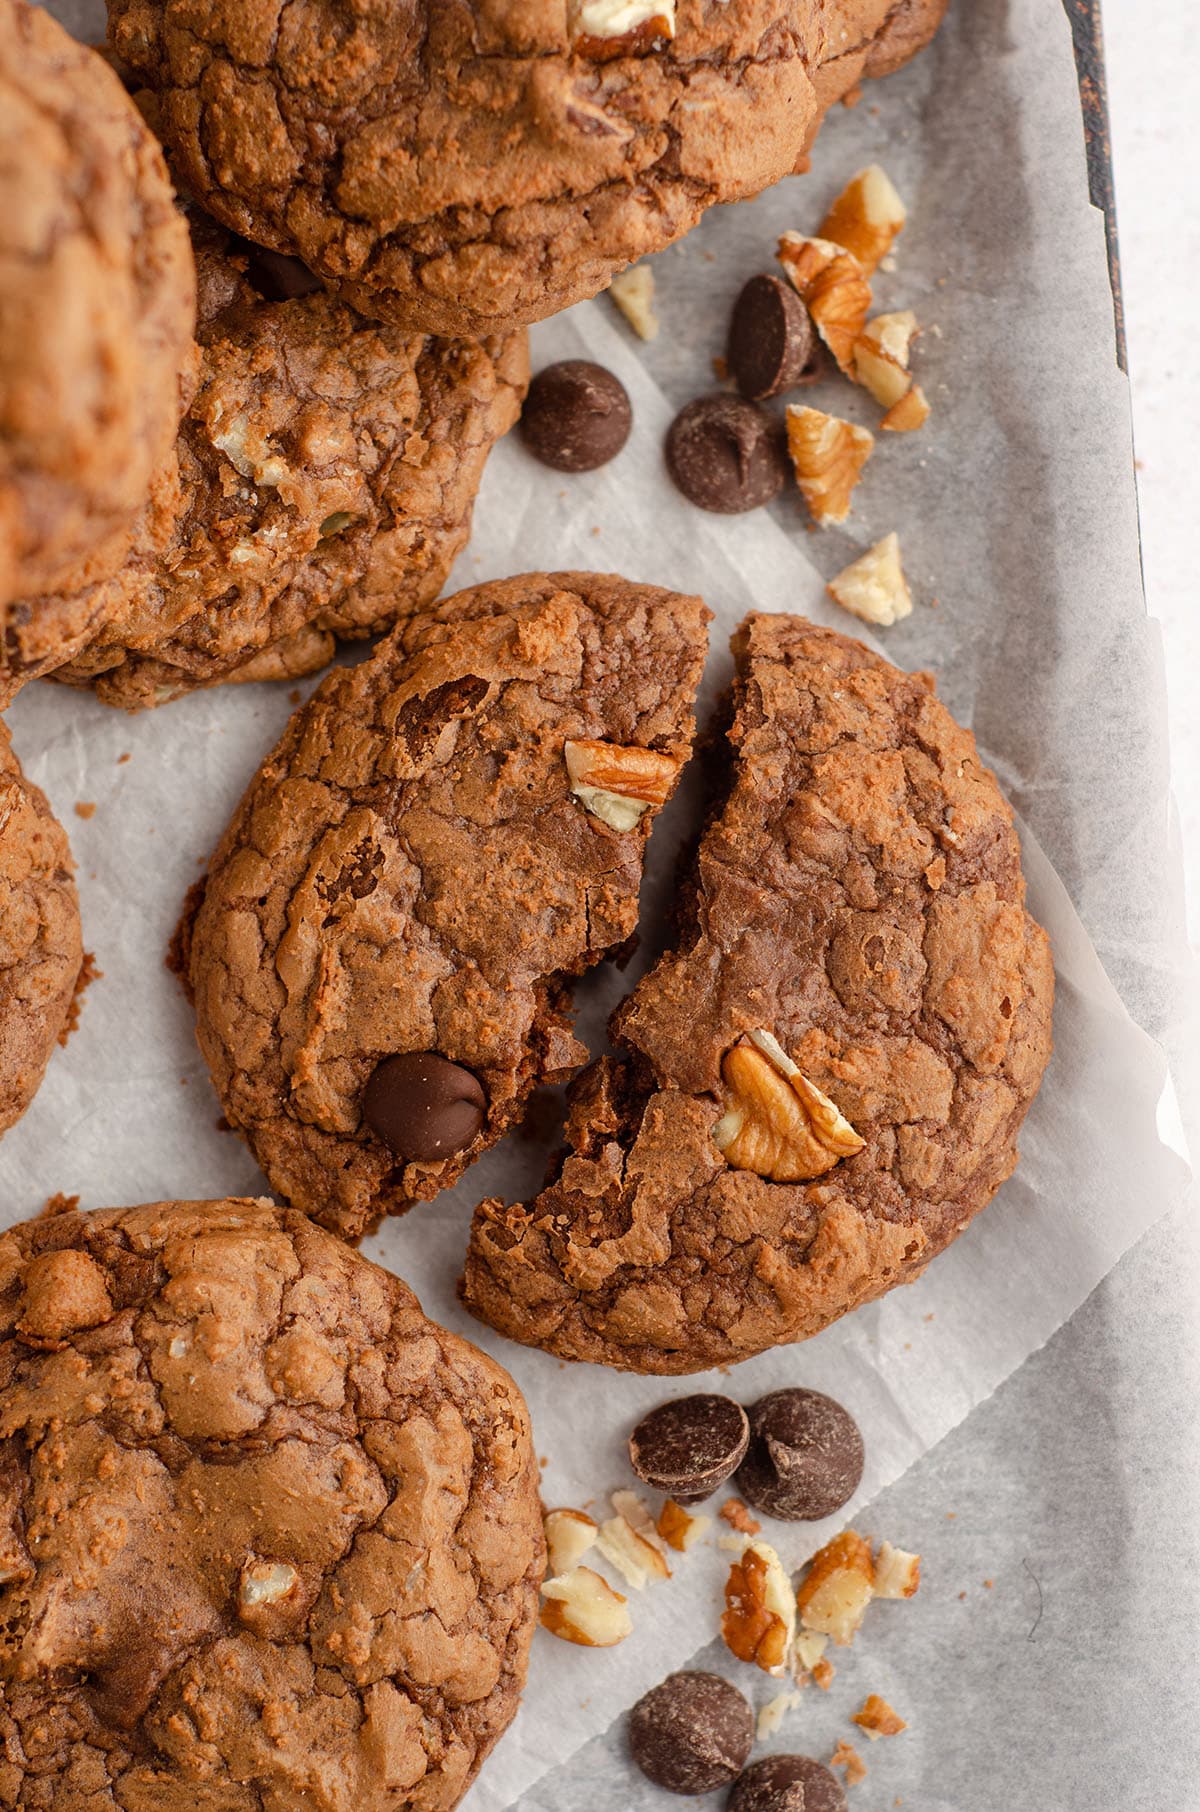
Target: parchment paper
[{"x": 1016, "y": 513}]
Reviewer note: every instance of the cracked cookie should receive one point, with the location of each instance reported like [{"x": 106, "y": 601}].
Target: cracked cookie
[
  {"x": 381, "y": 951},
  {"x": 41, "y": 949},
  {"x": 823, "y": 1082},
  {"x": 321, "y": 484},
  {"x": 465, "y": 165},
  {"x": 268, "y": 1537},
  {"x": 97, "y": 299}
]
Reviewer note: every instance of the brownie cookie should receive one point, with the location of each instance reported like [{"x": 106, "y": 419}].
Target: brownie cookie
[
  {"x": 455, "y": 167},
  {"x": 321, "y": 484},
  {"x": 268, "y": 1537},
  {"x": 97, "y": 300},
  {"x": 41, "y": 949},
  {"x": 443, "y": 837},
  {"x": 824, "y": 1081}
]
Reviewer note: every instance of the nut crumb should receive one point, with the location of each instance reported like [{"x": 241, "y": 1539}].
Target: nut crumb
[
  {"x": 773, "y": 1713},
  {"x": 823, "y": 1673},
  {"x": 633, "y": 292},
  {"x": 878, "y": 1718},
  {"x": 846, "y": 1756},
  {"x": 897, "y": 1574},
  {"x": 738, "y": 1517},
  {"x": 678, "y": 1528}
]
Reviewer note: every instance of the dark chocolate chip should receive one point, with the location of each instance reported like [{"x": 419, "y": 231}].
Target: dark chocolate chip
[
  {"x": 423, "y": 1106},
  {"x": 787, "y": 1783},
  {"x": 690, "y": 1446},
  {"x": 772, "y": 345},
  {"x": 692, "y": 1733},
  {"x": 805, "y": 1458},
  {"x": 576, "y": 416},
  {"x": 726, "y": 454},
  {"x": 278, "y": 277}
]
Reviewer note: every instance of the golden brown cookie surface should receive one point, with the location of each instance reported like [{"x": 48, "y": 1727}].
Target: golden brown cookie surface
[
  {"x": 444, "y": 836},
  {"x": 320, "y": 486},
  {"x": 268, "y": 1537},
  {"x": 464, "y": 164},
  {"x": 97, "y": 299},
  {"x": 824, "y": 1081},
  {"x": 41, "y": 948}
]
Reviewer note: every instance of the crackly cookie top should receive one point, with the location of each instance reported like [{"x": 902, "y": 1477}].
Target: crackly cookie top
[
  {"x": 458, "y": 165},
  {"x": 824, "y": 1081},
  {"x": 40, "y": 940},
  {"x": 321, "y": 483},
  {"x": 97, "y": 299},
  {"x": 444, "y": 835},
  {"x": 268, "y": 1537}
]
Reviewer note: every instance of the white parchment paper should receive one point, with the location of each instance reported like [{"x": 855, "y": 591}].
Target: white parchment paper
[{"x": 1016, "y": 513}]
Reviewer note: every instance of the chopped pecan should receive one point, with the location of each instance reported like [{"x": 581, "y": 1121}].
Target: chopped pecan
[
  {"x": 583, "y": 1608},
  {"x": 759, "y": 1623},
  {"x": 834, "y": 1597}
]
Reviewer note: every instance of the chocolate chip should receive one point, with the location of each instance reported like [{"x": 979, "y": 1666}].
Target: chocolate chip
[
  {"x": 772, "y": 345},
  {"x": 725, "y": 454},
  {"x": 805, "y": 1458},
  {"x": 424, "y": 1106},
  {"x": 690, "y": 1446},
  {"x": 576, "y": 416},
  {"x": 278, "y": 278},
  {"x": 692, "y": 1733},
  {"x": 787, "y": 1783}
]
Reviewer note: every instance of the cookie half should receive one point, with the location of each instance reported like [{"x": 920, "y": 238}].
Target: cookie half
[
  {"x": 268, "y": 1537},
  {"x": 321, "y": 484},
  {"x": 97, "y": 301},
  {"x": 459, "y": 167},
  {"x": 41, "y": 948},
  {"x": 823, "y": 1082},
  {"x": 444, "y": 836}
]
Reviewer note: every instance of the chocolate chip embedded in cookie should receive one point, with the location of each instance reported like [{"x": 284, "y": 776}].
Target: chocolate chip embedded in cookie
[
  {"x": 855, "y": 930},
  {"x": 460, "y": 167},
  {"x": 41, "y": 951},
  {"x": 262, "y": 1524},
  {"x": 321, "y": 484},
  {"x": 97, "y": 300},
  {"x": 381, "y": 953}
]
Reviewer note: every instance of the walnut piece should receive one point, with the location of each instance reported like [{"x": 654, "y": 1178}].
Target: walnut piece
[
  {"x": 776, "y": 1122},
  {"x": 678, "y": 1528},
  {"x": 910, "y": 413},
  {"x": 866, "y": 217},
  {"x": 881, "y": 356},
  {"x": 632, "y": 1546},
  {"x": 773, "y": 1713},
  {"x": 583, "y": 1608},
  {"x": 759, "y": 1623},
  {"x": 828, "y": 455},
  {"x": 834, "y": 289},
  {"x": 633, "y": 293},
  {"x": 878, "y": 1719},
  {"x": 613, "y": 28},
  {"x": 834, "y": 1597},
  {"x": 873, "y": 587},
  {"x": 569, "y": 1535},
  {"x": 897, "y": 1574},
  {"x": 618, "y": 784}
]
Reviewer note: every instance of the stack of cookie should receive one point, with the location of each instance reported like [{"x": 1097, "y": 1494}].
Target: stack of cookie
[{"x": 268, "y": 1538}]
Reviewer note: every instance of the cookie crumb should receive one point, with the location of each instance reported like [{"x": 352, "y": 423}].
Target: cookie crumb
[
  {"x": 846, "y": 1756},
  {"x": 294, "y": 696},
  {"x": 58, "y": 1204},
  {"x": 85, "y": 808},
  {"x": 738, "y": 1517},
  {"x": 88, "y": 973},
  {"x": 121, "y": 759}
]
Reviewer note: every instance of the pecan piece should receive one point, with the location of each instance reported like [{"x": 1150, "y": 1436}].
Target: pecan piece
[{"x": 618, "y": 784}]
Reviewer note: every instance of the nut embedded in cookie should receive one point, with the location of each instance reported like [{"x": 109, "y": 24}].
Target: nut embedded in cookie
[
  {"x": 776, "y": 1122},
  {"x": 424, "y": 879},
  {"x": 214, "y": 1496}
]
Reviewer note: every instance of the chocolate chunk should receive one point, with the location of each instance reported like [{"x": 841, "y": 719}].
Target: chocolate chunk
[
  {"x": 787, "y": 1783},
  {"x": 805, "y": 1458},
  {"x": 726, "y": 455},
  {"x": 772, "y": 346},
  {"x": 576, "y": 416},
  {"x": 278, "y": 278},
  {"x": 423, "y": 1106},
  {"x": 692, "y": 1733},
  {"x": 690, "y": 1446}
]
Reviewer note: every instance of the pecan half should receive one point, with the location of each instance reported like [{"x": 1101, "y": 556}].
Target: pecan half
[{"x": 776, "y": 1122}]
